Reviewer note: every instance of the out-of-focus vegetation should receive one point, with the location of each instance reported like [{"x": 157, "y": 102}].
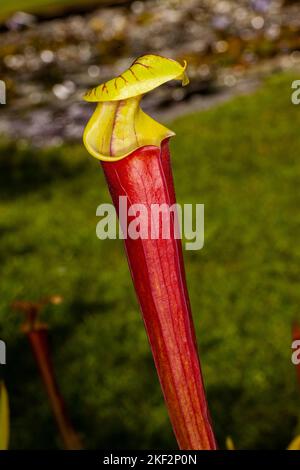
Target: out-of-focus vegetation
[
  {"x": 242, "y": 161},
  {"x": 37, "y": 6},
  {"x": 4, "y": 417},
  {"x": 49, "y": 59}
]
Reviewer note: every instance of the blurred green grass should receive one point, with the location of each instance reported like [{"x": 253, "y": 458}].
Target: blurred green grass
[
  {"x": 40, "y": 6},
  {"x": 241, "y": 160}
]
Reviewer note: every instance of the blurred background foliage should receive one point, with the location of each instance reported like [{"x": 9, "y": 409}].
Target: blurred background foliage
[{"x": 240, "y": 159}]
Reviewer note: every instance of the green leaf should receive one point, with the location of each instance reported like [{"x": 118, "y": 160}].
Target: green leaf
[
  {"x": 4, "y": 417},
  {"x": 295, "y": 444}
]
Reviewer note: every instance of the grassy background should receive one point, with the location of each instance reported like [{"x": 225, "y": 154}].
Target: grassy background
[
  {"x": 242, "y": 161},
  {"x": 40, "y": 6}
]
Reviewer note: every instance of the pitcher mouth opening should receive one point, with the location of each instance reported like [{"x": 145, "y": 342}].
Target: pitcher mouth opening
[{"x": 119, "y": 126}]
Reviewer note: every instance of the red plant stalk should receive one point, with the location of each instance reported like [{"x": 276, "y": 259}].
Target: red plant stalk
[
  {"x": 40, "y": 346},
  {"x": 134, "y": 154},
  {"x": 37, "y": 334},
  {"x": 158, "y": 275}
]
